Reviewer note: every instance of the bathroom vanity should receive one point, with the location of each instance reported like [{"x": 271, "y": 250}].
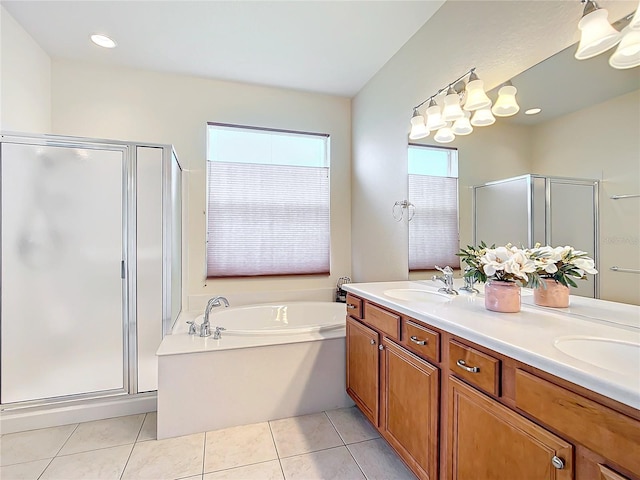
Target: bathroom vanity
[{"x": 463, "y": 393}]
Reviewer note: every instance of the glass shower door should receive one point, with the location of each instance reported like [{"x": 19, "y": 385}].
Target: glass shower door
[{"x": 62, "y": 315}]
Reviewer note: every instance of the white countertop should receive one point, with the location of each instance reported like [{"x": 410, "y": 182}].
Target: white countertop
[{"x": 530, "y": 335}]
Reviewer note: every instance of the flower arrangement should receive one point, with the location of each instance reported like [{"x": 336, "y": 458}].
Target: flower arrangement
[
  {"x": 526, "y": 266},
  {"x": 507, "y": 264},
  {"x": 561, "y": 264}
]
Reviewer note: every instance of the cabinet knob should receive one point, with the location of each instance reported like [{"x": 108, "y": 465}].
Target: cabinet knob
[
  {"x": 373, "y": 342},
  {"x": 380, "y": 347},
  {"x": 557, "y": 462}
]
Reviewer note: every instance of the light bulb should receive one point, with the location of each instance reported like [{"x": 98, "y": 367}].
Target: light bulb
[
  {"x": 627, "y": 55},
  {"x": 506, "y": 105},
  {"x": 434, "y": 117},
  {"x": 418, "y": 128},
  {"x": 483, "y": 118},
  {"x": 597, "y": 34}
]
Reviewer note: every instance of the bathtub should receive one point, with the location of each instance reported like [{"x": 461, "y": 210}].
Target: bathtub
[{"x": 273, "y": 361}]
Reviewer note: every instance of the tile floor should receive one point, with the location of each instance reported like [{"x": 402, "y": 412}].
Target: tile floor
[{"x": 337, "y": 444}]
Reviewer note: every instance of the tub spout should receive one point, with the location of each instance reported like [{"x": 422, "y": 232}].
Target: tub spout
[{"x": 205, "y": 329}]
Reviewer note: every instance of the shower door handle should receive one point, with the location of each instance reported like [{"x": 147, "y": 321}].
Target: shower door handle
[{"x": 122, "y": 270}]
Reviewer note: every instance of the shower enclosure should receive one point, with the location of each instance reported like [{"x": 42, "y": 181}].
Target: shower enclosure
[{"x": 91, "y": 268}]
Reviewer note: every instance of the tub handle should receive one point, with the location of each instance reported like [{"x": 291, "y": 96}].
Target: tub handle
[{"x": 415, "y": 340}]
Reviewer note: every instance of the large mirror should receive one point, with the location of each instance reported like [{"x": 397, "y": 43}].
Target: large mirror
[{"x": 588, "y": 128}]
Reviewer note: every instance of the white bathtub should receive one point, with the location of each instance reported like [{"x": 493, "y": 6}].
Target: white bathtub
[{"x": 273, "y": 361}]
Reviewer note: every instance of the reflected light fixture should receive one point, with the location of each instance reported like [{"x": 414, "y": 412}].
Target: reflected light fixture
[
  {"x": 444, "y": 135},
  {"x": 627, "y": 55},
  {"x": 418, "y": 127},
  {"x": 532, "y": 111},
  {"x": 103, "y": 41},
  {"x": 506, "y": 105},
  {"x": 464, "y": 95},
  {"x": 634, "y": 24},
  {"x": 462, "y": 126},
  {"x": 483, "y": 118}
]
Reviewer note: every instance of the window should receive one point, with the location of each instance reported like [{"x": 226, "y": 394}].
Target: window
[
  {"x": 433, "y": 189},
  {"x": 267, "y": 202}
]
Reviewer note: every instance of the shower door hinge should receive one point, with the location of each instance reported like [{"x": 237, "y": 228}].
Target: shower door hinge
[{"x": 122, "y": 270}]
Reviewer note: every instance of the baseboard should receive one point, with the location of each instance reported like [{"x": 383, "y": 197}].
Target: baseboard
[{"x": 33, "y": 418}]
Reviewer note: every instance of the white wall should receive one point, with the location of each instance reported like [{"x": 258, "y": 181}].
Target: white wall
[
  {"x": 25, "y": 80},
  {"x": 602, "y": 142},
  {"x": 127, "y": 104},
  {"x": 500, "y": 39}
]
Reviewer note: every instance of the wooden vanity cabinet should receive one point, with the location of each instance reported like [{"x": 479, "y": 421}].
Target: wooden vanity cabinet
[
  {"x": 489, "y": 441},
  {"x": 455, "y": 410},
  {"x": 363, "y": 368}
]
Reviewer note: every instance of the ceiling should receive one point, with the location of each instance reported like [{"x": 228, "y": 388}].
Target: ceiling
[{"x": 331, "y": 47}]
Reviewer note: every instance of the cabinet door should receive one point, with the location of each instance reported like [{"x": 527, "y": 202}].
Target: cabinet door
[
  {"x": 362, "y": 368},
  {"x": 486, "y": 440},
  {"x": 409, "y": 413}
]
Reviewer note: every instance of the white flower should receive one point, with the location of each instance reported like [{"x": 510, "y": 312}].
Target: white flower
[
  {"x": 510, "y": 260},
  {"x": 585, "y": 264}
]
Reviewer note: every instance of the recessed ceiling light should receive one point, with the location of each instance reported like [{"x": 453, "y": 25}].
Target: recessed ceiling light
[
  {"x": 532, "y": 111},
  {"x": 103, "y": 41}
]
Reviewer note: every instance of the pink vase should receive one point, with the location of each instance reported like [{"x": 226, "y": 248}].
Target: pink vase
[
  {"x": 555, "y": 295},
  {"x": 500, "y": 296}
]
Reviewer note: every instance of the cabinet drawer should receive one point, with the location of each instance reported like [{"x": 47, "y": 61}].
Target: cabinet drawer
[
  {"x": 354, "y": 306},
  {"x": 386, "y": 322},
  {"x": 475, "y": 367},
  {"x": 602, "y": 430},
  {"x": 421, "y": 340}
]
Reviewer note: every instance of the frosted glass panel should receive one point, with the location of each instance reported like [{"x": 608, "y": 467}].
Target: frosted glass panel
[
  {"x": 149, "y": 252},
  {"x": 62, "y": 243},
  {"x": 502, "y": 213}
]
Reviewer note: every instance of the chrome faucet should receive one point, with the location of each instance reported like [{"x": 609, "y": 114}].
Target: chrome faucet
[
  {"x": 447, "y": 279},
  {"x": 469, "y": 282},
  {"x": 205, "y": 328}
]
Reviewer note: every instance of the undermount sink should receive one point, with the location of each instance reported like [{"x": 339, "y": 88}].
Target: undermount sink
[
  {"x": 416, "y": 295},
  {"x": 607, "y": 353}
]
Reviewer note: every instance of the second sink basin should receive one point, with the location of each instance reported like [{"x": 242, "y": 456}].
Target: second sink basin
[
  {"x": 610, "y": 354},
  {"x": 416, "y": 295}
]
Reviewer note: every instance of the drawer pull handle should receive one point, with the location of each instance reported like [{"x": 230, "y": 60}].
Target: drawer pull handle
[
  {"x": 373, "y": 342},
  {"x": 350, "y": 306},
  {"x": 415, "y": 340},
  {"x": 463, "y": 365},
  {"x": 557, "y": 462}
]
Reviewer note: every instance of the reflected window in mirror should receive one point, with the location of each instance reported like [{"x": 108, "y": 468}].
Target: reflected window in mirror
[{"x": 433, "y": 189}]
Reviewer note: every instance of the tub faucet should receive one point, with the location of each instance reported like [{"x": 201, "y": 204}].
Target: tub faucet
[
  {"x": 205, "y": 328},
  {"x": 447, "y": 279}
]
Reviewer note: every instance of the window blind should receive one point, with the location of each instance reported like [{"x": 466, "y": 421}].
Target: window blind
[
  {"x": 267, "y": 217},
  {"x": 433, "y": 231}
]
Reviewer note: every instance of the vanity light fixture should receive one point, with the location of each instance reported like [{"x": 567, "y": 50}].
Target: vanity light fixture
[
  {"x": 464, "y": 96},
  {"x": 506, "y": 105},
  {"x": 598, "y": 36},
  {"x": 103, "y": 41},
  {"x": 418, "y": 127}
]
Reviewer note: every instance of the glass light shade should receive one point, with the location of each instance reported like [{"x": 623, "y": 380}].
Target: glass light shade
[
  {"x": 506, "y": 105},
  {"x": 483, "y": 118},
  {"x": 627, "y": 55},
  {"x": 103, "y": 41},
  {"x": 462, "y": 125},
  {"x": 476, "y": 96},
  {"x": 434, "y": 117},
  {"x": 452, "y": 111},
  {"x": 418, "y": 128},
  {"x": 597, "y": 34},
  {"x": 444, "y": 135}
]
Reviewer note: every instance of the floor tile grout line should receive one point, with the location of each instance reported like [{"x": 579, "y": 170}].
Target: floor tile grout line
[
  {"x": 67, "y": 440},
  {"x": 355, "y": 460},
  {"x": 45, "y": 468},
  {"x": 124, "y": 468},
  {"x": 140, "y": 429},
  {"x": 335, "y": 428},
  {"x": 275, "y": 446},
  {"x": 204, "y": 455}
]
